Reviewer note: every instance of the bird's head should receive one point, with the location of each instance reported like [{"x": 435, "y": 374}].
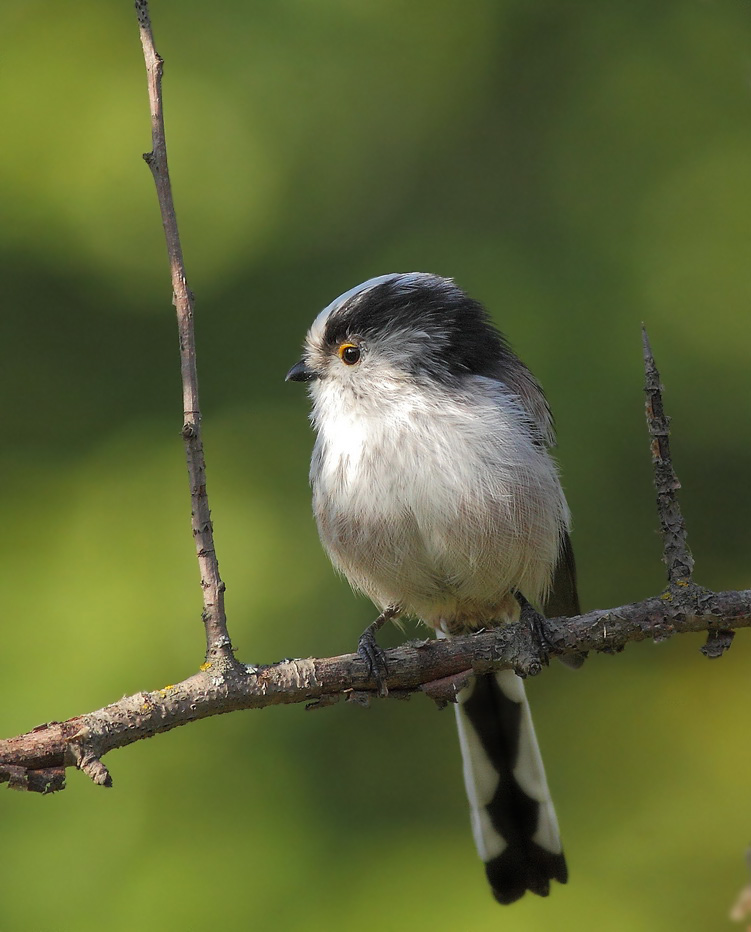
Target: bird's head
[{"x": 398, "y": 328}]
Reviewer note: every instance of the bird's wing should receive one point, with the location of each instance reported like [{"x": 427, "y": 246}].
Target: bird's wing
[{"x": 563, "y": 598}]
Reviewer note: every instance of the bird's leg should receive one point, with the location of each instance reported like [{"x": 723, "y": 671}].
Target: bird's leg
[
  {"x": 373, "y": 655},
  {"x": 538, "y": 628}
]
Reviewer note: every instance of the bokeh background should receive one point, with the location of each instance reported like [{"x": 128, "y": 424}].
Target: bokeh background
[{"x": 580, "y": 167}]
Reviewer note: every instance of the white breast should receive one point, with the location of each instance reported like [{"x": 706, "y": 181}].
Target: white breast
[
  {"x": 439, "y": 502},
  {"x": 342, "y": 440}
]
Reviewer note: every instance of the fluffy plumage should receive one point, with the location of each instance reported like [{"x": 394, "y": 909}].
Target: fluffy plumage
[{"x": 434, "y": 492}]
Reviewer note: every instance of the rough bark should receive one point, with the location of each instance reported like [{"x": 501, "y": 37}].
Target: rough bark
[{"x": 36, "y": 761}]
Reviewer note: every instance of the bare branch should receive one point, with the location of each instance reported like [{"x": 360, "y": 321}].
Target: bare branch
[
  {"x": 437, "y": 667},
  {"x": 218, "y": 644},
  {"x": 676, "y": 555},
  {"x": 682, "y": 589}
]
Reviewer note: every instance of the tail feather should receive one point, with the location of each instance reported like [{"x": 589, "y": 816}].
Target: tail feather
[{"x": 513, "y": 819}]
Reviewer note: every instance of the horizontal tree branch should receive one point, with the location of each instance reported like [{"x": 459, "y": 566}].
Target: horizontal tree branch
[{"x": 37, "y": 760}]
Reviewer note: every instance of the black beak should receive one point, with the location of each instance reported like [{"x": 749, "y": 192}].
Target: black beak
[{"x": 300, "y": 373}]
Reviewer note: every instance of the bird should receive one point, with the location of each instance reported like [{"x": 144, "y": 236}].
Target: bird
[{"x": 436, "y": 495}]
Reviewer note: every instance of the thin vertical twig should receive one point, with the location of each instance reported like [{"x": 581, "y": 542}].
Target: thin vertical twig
[
  {"x": 676, "y": 555},
  {"x": 218, "y": 644},
  {"x": 682, "y": 590}
]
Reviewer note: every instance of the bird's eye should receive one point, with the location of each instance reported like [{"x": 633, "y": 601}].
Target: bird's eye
[{"x": 349, "y": 353}]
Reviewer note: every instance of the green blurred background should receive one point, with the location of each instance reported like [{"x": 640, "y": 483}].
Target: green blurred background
[{"x": 580, "y": 167}]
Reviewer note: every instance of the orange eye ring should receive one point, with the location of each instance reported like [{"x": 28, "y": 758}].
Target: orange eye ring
[{"x": 349, "y": 353}]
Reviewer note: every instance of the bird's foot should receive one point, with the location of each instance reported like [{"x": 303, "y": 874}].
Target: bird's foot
[
  {"x": 372, "y": 653},
  {"x": 531, "y": 663}
]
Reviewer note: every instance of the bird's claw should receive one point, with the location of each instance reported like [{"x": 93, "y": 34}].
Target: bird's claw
[
  {"x": 375, "y": 658},
  {"x": 538, "y": 629}
]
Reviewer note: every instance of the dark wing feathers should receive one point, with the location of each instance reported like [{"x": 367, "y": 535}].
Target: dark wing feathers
[{"x": 563, "y": 599}]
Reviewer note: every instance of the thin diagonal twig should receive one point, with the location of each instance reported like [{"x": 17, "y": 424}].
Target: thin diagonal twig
[{"x": 218, "y": 644}]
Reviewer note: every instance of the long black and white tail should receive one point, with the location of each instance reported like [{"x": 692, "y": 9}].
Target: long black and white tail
[{"x": 513, "y": 819}]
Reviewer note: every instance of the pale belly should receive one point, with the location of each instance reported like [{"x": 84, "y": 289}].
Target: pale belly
[
  {"x": 438, "y": 553},
  {"x": 442, "y": 512}
]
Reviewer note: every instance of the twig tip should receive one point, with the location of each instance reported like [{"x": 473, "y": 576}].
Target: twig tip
[
  {"x": 88, "y": 763},
  {"x": 648, "y": 357}
]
